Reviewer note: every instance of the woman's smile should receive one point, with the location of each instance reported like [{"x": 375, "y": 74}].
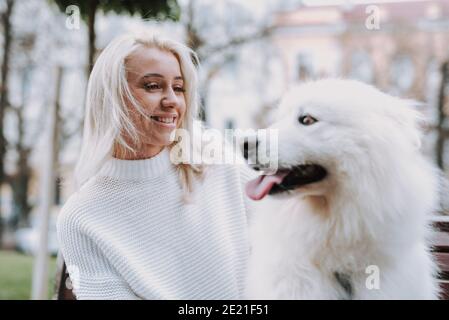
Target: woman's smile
[{"x": 165, "y": 121}]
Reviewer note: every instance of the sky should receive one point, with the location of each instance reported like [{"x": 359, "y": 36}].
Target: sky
[{"x": 312, "y": 3}]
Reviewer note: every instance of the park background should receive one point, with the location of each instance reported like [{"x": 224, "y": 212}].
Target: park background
[{"x": 250, "y": 51}]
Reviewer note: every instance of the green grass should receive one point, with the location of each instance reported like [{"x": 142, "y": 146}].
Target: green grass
[{"x": 16, "y": 273}]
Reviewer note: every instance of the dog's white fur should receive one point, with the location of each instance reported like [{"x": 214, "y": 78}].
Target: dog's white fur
[{"x": 371, "y": 210}]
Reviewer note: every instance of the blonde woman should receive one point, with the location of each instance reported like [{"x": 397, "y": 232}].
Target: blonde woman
[{"x": 128, "y": 231}]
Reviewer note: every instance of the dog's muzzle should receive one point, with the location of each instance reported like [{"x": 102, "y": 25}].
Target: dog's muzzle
[
  {"x": 284, "y": 179},
  {"x": 299, "y": 176}
]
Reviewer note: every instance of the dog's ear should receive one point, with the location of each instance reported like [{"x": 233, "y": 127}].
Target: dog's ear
[{"x": 411, "y": 121}]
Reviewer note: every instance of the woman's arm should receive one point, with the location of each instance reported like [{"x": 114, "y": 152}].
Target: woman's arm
[{"x": 91, "y": 274}]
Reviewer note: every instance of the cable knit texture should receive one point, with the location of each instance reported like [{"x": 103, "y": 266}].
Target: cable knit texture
[{"x": 127, "y": 234}]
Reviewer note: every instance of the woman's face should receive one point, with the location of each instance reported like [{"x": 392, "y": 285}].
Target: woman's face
[{"x": 155, "y": 80}]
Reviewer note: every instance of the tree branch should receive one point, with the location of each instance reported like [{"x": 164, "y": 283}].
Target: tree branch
[{"x": 237, "y": 41}]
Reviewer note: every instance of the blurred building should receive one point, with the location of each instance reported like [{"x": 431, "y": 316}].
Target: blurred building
[{"x": 397, "y": 46}]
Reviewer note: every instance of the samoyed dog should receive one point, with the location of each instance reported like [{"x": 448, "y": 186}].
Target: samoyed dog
[{"x": 348, "y": 207}]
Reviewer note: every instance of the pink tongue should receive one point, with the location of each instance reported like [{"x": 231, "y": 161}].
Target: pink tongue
[{"x": 258, "y": 188}]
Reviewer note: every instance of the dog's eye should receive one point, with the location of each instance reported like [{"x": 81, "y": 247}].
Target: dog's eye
[{"x": 307, "y": 120}]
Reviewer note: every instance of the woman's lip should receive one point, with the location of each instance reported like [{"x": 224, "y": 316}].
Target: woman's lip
[
  {"x": 166, "y": 125},
  {"x": 165, "y": 115}
]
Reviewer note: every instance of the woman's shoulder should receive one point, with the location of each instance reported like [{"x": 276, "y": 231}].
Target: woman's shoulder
[
  {"x": 81, "y": 202},
  {"x": 73, "y": 211},
  {"x": 233, "y": 176}
]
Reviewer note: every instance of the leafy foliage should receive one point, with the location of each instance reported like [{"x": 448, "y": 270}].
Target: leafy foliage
[{"x": 159, "y": 9}]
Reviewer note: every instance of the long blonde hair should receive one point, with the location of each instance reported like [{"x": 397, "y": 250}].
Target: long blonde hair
[{"x": 106, "y": 115}]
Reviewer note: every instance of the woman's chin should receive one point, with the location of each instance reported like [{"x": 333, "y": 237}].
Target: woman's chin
[{"x": 158, "y": 143}]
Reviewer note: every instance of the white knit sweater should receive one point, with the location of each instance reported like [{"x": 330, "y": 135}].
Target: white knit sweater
[{"x": 127, "y": 234}]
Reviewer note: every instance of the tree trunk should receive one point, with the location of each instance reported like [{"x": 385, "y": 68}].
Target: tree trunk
[
  {"x": 40, "y": 268},
  {"x": 91, "y": 15},
  {"x": 7, "y": 34},
  {"x": 20, "y": 184},
  {"x": 195, "y": 42},
  {"x": 20, "y": 181},
  {"x": 441, "y": 115}
]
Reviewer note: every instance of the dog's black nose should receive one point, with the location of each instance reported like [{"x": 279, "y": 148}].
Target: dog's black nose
[
  {"x": 246, "y": 147},
  {"x": 249, "y": 147}
]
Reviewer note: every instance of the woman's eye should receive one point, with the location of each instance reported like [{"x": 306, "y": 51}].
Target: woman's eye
[
  {"x": 152, "y": 86},
  {"x": 179, "y": 89},
  {"x": 307, "y": 120}
]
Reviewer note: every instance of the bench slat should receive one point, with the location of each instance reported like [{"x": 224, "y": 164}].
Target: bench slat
[
  {"x": 443, "y": 260},
  {"x": 444, "y": 285},
  {"x": 441, "y": 242}
]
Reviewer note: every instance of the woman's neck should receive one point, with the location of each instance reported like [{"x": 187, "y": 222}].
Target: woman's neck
[{"x": 144, "y": 152}]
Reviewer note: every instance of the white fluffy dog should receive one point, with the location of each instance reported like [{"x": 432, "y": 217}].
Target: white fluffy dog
[{"x": 351, "y": 200}]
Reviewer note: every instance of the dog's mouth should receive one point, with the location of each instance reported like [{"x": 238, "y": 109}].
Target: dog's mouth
[{"x": 284, "y": 180}]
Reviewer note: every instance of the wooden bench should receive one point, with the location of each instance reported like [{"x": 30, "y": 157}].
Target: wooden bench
[
  {"x": 63, "y": 287},
  {"x": 63, "y": 284},
  {"x": 441, "y": 252}
]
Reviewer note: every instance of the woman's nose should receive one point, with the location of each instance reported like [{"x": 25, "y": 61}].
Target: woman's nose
[{"x": 170, "y": 100}]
